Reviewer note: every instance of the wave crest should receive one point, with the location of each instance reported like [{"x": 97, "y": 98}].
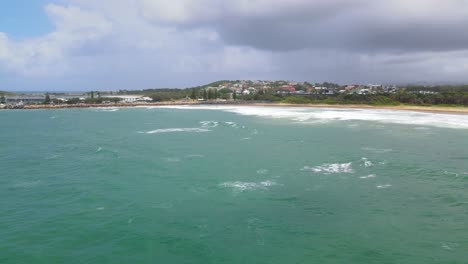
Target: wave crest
[
  {"x": 174, "y": 130},
  {"x": 331, "y": 168}
]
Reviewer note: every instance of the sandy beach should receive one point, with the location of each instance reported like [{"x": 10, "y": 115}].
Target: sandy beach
[{"x": 429, "y": 109}]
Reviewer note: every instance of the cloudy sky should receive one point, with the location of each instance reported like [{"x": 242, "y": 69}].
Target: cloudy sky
[{"x": 135, "y": 44}]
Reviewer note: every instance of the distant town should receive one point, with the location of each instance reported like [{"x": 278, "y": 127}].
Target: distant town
[{"x": 259, "y": 90}]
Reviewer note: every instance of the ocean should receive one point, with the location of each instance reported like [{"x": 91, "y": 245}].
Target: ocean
[{"x": 233, "y": 184}]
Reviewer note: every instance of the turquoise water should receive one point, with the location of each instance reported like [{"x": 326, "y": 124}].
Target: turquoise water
[{"x": 233, "y": 185}]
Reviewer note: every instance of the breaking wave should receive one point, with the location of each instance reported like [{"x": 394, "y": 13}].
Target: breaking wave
[
  {"x": 174, "y": 130},
  {"x": 366, "y": 163},
  {"x": 246, "y": 186},
  {"x": 331, "y": 168},
  {"x": 320, "y": 115}
]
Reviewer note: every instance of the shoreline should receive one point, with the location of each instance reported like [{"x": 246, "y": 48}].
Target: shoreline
[{"x": 427, "y": 109}]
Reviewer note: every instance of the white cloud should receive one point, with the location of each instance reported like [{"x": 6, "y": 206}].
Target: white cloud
[{"x": 48, "y": 54}]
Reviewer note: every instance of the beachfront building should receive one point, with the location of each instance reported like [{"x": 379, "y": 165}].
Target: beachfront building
[
  {"x": 25, "y": 99},
  {"x": 129, "y": 98}
]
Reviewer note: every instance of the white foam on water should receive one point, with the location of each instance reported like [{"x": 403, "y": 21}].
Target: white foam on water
[
  {"x": 366, "y": 163},
  {"x": 174, "y": 130},
  {"x": 246, "y": 186},
  {"x": 304, "y": 114},
  {"x": 246, "y": 138},
  {"x": 231, "y": 124},
  {"x": 100, "y": 208},
  {"x": 262, "y": 171},
  {"x": 331, "y": 168},
  {"x": 99, "y": 150},
  {"x": 209, "y": 124},
  {"x": 368, "y": 176},
  {"x": 384, "y": 186},
  {"x": 107, "y": 109}
]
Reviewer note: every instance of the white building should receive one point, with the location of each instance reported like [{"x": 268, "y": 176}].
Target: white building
[{"x": 129, "y": 98}]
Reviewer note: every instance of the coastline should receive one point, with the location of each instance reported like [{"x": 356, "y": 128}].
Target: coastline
[{"x": 428, "y": 109}]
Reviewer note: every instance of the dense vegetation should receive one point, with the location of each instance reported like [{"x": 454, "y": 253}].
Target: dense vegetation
[{"x": 447, "y": 98}]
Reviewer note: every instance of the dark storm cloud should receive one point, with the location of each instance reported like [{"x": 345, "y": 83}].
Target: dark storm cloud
[
  {"x": 361, "y": 25},
  {"x": 347, "y": 29}
]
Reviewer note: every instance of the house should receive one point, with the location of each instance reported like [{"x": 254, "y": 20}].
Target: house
[{"x": 288, "y": 88}]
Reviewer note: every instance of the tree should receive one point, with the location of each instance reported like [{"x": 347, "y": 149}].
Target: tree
[
  {"x": 216, "y": 94},
  {"x": 210, "y": 94},
  {"x": 205, "y": 95},
  {"x": 194, "y": 94},
  {"x": 234, "y": 95},
  {"x": 92, "y": 94},
  {"x": 2, "y": 99},
  {"x": 47, "y": 99}
]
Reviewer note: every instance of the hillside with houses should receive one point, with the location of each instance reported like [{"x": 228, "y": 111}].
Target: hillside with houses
[{"x": 238, "y": 91}]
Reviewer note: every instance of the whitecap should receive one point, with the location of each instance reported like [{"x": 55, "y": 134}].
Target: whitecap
[
  {"x": 331, "y": 168},
  {"x": 368, "y": 176},
  {"x": 246, "y": 138},
  {"x": 366, "y": 163},
  {"x": 245, "y": 186},
  {"x": 99, "y": 150},
  {"x": 231, "y": 124},
  {"x": 100, "y": 208},
  {"x": 384, "y": 186},
  {"x": 262, "y": 171},
  {"x": 209, "y": 124},
  {"x": 173, "y": 130}
]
